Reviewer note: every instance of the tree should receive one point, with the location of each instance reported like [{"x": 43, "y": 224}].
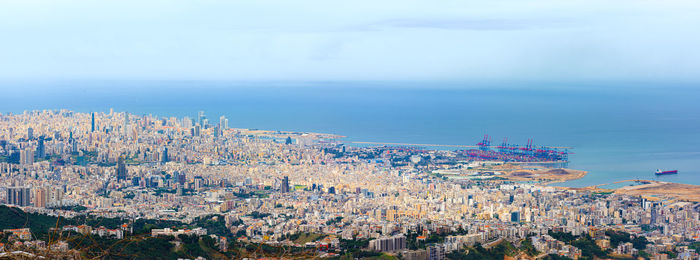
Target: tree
[
  {"x": 528, "y": 247},
  {"x": 640, "y": 243}
]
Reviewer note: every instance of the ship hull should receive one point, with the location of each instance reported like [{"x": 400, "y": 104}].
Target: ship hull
[{"x": 667, "y": 172}]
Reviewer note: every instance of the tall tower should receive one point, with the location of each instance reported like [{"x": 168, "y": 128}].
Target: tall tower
[
  {"x": 125, "y": 127},
  {"x": 121, "y": 169},
  {"x": 26, "y": 156},
  {"x": 285, "y": 184},
  {"x": 92, "y": 123},
  {"x": 40, "y": 148},
  {"x": 164, "y": 155},
  {"x": 197, "y": 129},
  {"x": 223, "y": 123},
  {"x": 18, "y": 196},
  {"x": 200, "y": 118},
  {"x": 30, "y": 133},
  {"x": 41, "y": 195}
]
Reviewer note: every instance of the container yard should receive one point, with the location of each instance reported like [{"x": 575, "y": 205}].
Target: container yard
[
  {"x": 545, "y": 156},
  {"x": 528, "y": 153}
]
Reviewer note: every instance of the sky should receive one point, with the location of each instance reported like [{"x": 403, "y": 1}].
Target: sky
[{"x": 317, "y": 40}]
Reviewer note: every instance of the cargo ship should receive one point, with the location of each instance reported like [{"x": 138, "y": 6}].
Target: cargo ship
[{"x": 660, "y": 172}]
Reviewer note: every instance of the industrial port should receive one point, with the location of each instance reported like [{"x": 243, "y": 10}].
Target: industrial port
[{"x": 557, "y": 157}]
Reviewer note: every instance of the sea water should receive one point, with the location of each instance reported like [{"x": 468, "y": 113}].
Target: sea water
[{"x": 618, "y": 131}]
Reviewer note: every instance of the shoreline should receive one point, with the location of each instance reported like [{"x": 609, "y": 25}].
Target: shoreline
[
  {"x": 650, "y": 189},
  {"x": 545, "y": 176}
]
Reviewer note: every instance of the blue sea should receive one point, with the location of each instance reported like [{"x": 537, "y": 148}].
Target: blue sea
[{"x": 619, "y": 131}]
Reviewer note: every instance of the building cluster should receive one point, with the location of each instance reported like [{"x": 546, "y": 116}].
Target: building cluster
[
  {"x": 549, "y": 245},
  {"x": 170, "y": 232},
  {"x": 269, "y": 185},
  {"x": 117, "y": 233}
]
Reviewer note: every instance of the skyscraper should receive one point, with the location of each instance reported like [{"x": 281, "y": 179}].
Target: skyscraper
[
  {"x": 26, "y": 156},
  {"x": 30, "y": 133},
  {"x": 285, "y": 184},
  {"x": 40, "y": 148},
  {"x": 180, "y": 177},
  {"x": 515, "y": 216},
  {"x": 41, "y": 196},
  {"x": 223, "y": 123},
  {"x": 92, "y": 128},
  {"x": 18, "y": 196},
  {"x": 200, "y": 118},
  {"x": 121, "y": 169},
  {"x": 436, "y": 252},
  {"x": 126, "y": 122},
  {"x": 187, "y": 122},
  {"x": 164, "y": 155},
  {"x": 197, "y": 129}
]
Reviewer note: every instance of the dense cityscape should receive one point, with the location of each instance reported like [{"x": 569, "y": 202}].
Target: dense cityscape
[{"x": 246, "y": 193}]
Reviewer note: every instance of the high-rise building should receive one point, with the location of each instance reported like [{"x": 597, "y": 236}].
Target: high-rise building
[
  {"x": 223, "y": 123},
  {"x": 55, "y": 197},
  {"x": 30, "y": 133},
  {"x": 18, "y": 196},
  {"x": 198, "y": 182},
  {"x": 180, "y": 177},
  {"x": 92, "y": 128},
  {"x": 285, "y": 184},
  {"x": 40, "y": 148},
  {"x": 515, "y": 216},
  {"x": 187, "y": 122},
  {"x": 121, "y": 169},
  {"x": 74, "y": 145},
  {"x": 388, "y": 244},
  {"x": 197, "y": 129},
  {"x": 126, "y": 122},
  {"x": 200, "y": 118},
  {"x": 164, "y": 155},
  {"x": 41, "y": 196},
  {"x": 436, "y": 252},
  {"x": 155, "y": 181},
  {"x": 26, "y": 156}
]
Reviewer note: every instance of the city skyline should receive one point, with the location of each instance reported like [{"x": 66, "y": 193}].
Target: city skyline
[
  {"x": 315, "y": 129},
  {"x": 210, "y": 187}
]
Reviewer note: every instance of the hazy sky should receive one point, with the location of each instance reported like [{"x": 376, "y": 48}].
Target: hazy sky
[{"x": 351, "y": 40}]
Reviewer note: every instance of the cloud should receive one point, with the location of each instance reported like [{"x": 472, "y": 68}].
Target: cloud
[
  {"x": 366, "y": 40},
  {"x": 473, "y": 24}
]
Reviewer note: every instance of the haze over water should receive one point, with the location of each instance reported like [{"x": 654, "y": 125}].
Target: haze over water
[{"x": 618, "y": 131}]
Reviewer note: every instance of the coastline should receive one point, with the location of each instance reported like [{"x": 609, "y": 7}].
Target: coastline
[
  {"x": 545, "y": 176},
  {"x": 650, "y": 189}
]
